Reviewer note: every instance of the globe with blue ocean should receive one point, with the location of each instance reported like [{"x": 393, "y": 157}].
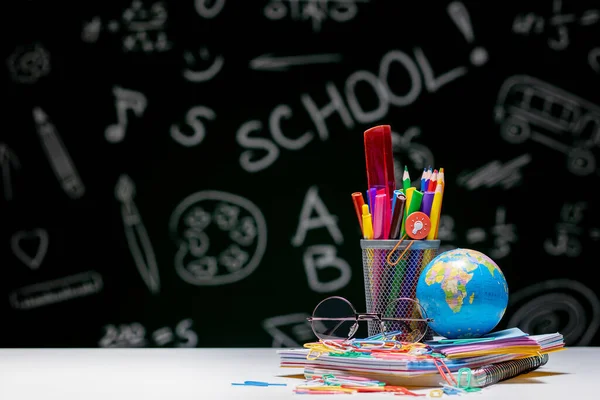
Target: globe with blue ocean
[{"x": 465, "y": 293}]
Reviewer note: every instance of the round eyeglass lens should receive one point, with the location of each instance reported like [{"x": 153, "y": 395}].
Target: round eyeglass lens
[
  {"x": 404, "y": 319},
  {"x": 334, "y": 319}
]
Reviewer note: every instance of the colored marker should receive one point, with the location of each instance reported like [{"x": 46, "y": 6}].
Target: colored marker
[
  {"x": 409, "y": 193},
  {"x": 378, "y": 216},
  {"x": 397, "y": 216},
  {"x": 372, "y": 194},
  {"x": 394, "y": 197},
  {"x": 367, "y": 223},
  {"x": 358, "y": 201}
]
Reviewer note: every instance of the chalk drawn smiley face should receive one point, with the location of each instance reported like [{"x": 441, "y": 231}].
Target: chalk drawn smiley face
[
  {"x": 194, "y": 74},
  {"x": 221, "y": 238}
]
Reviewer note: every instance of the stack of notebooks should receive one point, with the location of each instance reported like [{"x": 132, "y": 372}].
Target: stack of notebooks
[{"x": 491, "y": 358}]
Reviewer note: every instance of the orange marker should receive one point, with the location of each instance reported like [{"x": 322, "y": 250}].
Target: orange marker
[{"x": 358, "y": 201}]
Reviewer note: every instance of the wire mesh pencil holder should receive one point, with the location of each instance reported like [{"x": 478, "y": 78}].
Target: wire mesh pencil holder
[{"x": 388, "y": 277}]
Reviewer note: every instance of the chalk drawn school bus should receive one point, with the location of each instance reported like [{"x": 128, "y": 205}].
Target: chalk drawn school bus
[{"x": 528, "y": 108}]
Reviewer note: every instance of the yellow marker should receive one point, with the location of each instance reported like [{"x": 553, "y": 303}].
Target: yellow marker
[
  {"x": 436, "y": 209},
  {"x": 409, "y": 194},
  {"x": 367, "y": 222}
]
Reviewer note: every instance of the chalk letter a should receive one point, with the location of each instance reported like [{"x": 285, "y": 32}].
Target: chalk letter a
[{"x": 312, "y": 201}]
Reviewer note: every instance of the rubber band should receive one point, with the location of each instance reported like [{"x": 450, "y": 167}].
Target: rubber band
[{"x": 436, "y": 393}]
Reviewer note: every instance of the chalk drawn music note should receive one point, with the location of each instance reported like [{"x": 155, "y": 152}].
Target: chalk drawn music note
[
  {"x": 136, "y": 234},
  {"x": 125, "y": 99},
  {"x": 39, "y": 235},
  {"x": 8, "y": 160}
]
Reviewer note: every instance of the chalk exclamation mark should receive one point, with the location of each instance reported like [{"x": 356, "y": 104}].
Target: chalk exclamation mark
[{"x": 460, "y": 16}]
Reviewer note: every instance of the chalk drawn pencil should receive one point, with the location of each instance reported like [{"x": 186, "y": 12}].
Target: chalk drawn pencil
[{"x": 57, "y": 154}]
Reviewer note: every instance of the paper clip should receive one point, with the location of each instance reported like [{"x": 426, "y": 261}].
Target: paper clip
[
  {"x": 436, "y": 393},
  {"x": 257, "y": 383},
  {"x": 467, "y": 387},
  {"x": 401, "y": 254}
]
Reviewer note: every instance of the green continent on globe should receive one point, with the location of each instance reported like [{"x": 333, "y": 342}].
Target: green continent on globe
[{"x": 453, "y": 282}]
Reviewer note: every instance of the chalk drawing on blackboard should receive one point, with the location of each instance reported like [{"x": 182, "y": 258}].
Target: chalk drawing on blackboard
[
  {"x": 495, "y": 173},
  {"x": 236, "y": 222},
  {"x": 57, "y": 155},
  {"x": 137, "y": 237},
  {"x": 530, "y": 109},
  {"x": 558, "y": 305},
  {"x": 460, "y": 16},
  {"x": 134, "y": 334},
  {"x": 594, "y": 59},
  {"x": 502, "y": 234},
  {"x": 322, "y": 112},
  {"x": 317, "y": 11},
  {"x": 192, "y": 119},
  {"x": 125, "y": 100},
  {"x": 568, "y": 230},
  {"x": 56, "y": 291},
  {"x": 270, "y": 62},
  {"x": 205, "y": 9},
  {"x": 27, "y": 64},
  {"x": 322, "y": 256},
  {"x": 123, "y": 335},
  {"x": 142, "y": 28},
  {"x": 530, "y": 22},
  {"x": 323, "y": 219},
  {"x": 20, "y": 239},
  {"x": 289, "y": 330},
  {"x": 8, "y": 161},
  {"x": 195, "y": 72},
  {"x": 411, "y": 153}
]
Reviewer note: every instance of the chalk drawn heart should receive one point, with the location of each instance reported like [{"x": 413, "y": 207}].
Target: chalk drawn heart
[{"x": 35, "y": 261}]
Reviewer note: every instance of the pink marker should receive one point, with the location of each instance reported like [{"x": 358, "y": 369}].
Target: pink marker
[{"x": 378, "y": 218}]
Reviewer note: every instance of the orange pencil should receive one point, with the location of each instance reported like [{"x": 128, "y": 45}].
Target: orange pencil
[
  {"x": 358, "y": 201},
  {"x": 433, "y": 181}
]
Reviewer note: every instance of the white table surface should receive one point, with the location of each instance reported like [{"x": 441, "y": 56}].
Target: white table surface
[{"x": 202, "y": 374}]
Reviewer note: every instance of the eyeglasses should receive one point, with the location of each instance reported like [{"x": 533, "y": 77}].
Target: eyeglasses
[{"x": 403, "y": 319}]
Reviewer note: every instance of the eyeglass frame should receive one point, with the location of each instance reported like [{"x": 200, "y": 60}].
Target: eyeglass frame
[{"x": 358, "y": 317}]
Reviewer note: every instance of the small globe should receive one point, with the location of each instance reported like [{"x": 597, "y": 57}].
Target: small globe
[{"x": 465, "y": 293}]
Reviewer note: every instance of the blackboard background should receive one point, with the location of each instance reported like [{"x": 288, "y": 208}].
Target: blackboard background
[{"x": 455, "y": 122}]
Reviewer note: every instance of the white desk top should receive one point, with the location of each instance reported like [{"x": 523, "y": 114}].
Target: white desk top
[{"x": 202, "y": 374}]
